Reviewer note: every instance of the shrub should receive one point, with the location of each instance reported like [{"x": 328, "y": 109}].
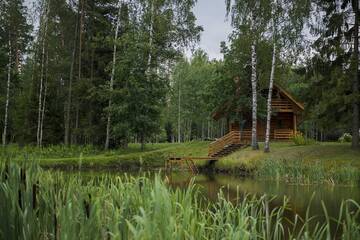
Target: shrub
[
  {"x": 300, "y": 140},
  {"x": 346, "y": 137}
]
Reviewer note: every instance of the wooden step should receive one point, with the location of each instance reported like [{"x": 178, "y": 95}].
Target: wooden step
[{"x": 227, "y": 150}]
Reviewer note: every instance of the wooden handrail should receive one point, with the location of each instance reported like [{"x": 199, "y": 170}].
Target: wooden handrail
[
  {"x": 283, "y": 133},
  {"x": 232, "y": 138}
]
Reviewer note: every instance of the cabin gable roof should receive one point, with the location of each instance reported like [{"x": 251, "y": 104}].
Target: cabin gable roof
[
  {"x": 289, "y": 97},
  {"x": 227, "y": 105}
]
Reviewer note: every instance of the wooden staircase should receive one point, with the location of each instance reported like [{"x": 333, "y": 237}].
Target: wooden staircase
[{"x": 226, "y": 145}]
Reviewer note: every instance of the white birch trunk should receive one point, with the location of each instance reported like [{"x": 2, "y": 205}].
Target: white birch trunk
[
  {"x": 43, "y": 115},
  {"x": 268, "y": 117},
  {"x": 271, "y": 84},
  {"x": 179, "y": 114},
  {"x": 108, "y": 126},
  {"x": 41, "y": 78},
  {"x": 7, "y": 96},
  {"x": 44, "y": 101},
  {"x": 151, "y": 33},
  {"x": 254, "y": 142}
]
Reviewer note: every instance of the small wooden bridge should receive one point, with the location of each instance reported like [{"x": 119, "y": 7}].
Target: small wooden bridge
[{"x": 217, "y": 149}]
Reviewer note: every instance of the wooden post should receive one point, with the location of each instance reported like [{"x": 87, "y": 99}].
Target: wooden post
[{"x": 295, "y": 124}]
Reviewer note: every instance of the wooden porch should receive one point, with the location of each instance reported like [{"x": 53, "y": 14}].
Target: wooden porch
[
  {"x": 237, "y": 139},
  {"x": 276, "y": 134}
]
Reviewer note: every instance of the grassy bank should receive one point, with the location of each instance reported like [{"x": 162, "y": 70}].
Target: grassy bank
[
  {"x": 316, "y": 163},
  {"x": 43, "y": 205},
  {"x": 132, "y": 157},
  {"x": 332, "y": 163}
]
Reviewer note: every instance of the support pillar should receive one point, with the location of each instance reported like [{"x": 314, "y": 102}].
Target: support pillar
[{"x": 295, "y": 124}]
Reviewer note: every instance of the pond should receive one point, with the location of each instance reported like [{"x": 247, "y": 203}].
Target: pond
[
  {"x": 233, "y": 187},
  {"x": 301, "y": 198}
]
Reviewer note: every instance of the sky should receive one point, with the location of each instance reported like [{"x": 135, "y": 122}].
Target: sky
[{"x": 211, "y": 16}]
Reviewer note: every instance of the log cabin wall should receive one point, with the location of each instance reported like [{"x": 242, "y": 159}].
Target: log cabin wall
[{"x": 287, "y": 113}]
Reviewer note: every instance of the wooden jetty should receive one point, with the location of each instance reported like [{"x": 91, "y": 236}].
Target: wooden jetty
[{"x": 186, "y": 163}]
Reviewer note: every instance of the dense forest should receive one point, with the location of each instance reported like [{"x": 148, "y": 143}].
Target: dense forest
[{"x": 110, "y": 72}]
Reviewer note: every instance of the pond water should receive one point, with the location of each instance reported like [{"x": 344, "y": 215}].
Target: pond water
[
  {"x": 300, "y": 197},
  {"x": 233, "y": 187}
]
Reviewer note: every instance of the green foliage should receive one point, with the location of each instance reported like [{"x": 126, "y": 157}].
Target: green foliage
[
  {"x": 346, "y": 137},
  {"x": 195, "y": 93},
  {"x": 50, "y": 205},
  {"x": 51, "y": 151},
  {"x": 299, "y": 139}
]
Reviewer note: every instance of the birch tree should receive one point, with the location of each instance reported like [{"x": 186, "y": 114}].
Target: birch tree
[
  {"x": 271, "y": 82},
  {"x": 111, "y": 87},
  {"x": 14, "y": 39},
  {"x": 7, "y": 93},
  {"x": 254, "y": 143},
  {"x": 287, "y": 20},
  {"x": 355, "y": 82},
  {"x": 251, "y": 14},
  {"x": 179, "y": 112},
  {"x": 44, "y": 34}
]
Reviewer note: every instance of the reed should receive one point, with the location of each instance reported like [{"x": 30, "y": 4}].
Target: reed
[
  {"x": 302, "y": 172},
  {"x": 36, "y": 204}
]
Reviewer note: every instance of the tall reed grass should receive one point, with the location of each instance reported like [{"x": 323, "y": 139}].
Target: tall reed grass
[
  {"x": 36, "y": 204},
  {"x": 301, "y": 172}
]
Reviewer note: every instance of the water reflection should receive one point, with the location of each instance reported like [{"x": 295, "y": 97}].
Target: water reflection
[{"x": 299, "y": 196}]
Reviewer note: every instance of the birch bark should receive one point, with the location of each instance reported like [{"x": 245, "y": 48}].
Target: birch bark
[
  {"x": 355, "y": 120},
  {"x": 108, "y": 126},
  {"x": 254, "y": 142},
  {"x": 42, "y": 74},
  {"x": 7, "y": 95},
  {"x": 271, "y": 84}
]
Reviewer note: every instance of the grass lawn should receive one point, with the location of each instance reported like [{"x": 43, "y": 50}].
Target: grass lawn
[{"x": 330, "y": 154}]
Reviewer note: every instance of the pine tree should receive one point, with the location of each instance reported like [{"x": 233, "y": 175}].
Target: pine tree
[{"x": 14, "y": 38}]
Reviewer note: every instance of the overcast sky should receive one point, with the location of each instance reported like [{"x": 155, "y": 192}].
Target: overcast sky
[{"x": 211, "y": 16}]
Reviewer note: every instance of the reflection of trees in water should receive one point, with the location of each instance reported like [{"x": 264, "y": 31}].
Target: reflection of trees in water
[{"x": 300, "y": 196}]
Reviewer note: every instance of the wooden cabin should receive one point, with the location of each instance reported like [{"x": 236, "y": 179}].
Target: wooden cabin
[{"x": 286, "y": 116}]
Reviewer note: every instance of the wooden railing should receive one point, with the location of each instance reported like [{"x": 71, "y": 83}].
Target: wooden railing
[
  {"x": 283, "y": 134},
  {"x": 246, "y": 134},
  {"x": 281, "y": 105},
  {"x": 277, "y": 134},
  {"x": 232, "y": 138}
]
